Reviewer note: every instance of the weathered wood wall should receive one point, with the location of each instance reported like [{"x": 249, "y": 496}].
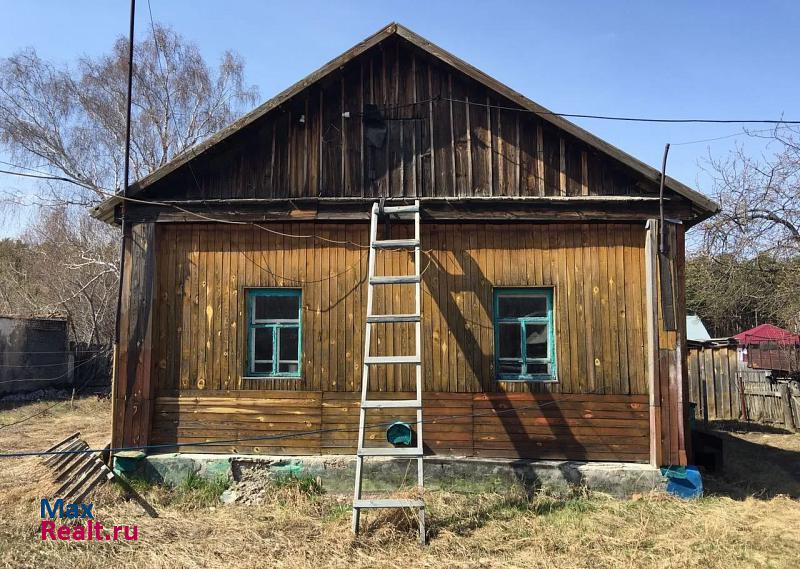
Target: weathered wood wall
[
  {"x": 669, "y": 419},
  {"x": 713, "y": 384},
  {"x": 723, "y": 388},
  {"x": 773, "y": 357},
  {"x": 133, "y": 387},
  {"x": 597, "y": 271},
  {"x": 577, "y": 427},
  {"x": 442, "y": 138},
  {"x": 35, "y": 354}
]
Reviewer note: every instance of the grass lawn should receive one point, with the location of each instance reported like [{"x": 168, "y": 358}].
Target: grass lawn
[{"x": 751, "y": 518}]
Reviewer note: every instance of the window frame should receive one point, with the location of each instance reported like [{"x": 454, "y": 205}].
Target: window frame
[
  {"x": 549, "y": 321},
  {"x": 276, "y": 324}
]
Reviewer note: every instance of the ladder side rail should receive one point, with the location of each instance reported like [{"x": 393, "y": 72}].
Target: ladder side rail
[
  {"x": 362, "y": 413},
  {"x": 418, "y": 326}
]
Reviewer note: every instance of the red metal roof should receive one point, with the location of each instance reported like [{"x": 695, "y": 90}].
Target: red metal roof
[{"x": 766, "y": 333}]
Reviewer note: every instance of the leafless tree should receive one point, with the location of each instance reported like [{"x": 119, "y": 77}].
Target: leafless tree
[
  {"x": 759, "y": 199},
  {"x": 68, "y": 122},
  {"x": 64, "y": 264},
  {"x": 746, "y": 270}
]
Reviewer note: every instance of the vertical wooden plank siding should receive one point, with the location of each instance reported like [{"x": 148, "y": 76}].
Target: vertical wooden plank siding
[
  {"x": 136, "y": 366},
  {"x": 712, "y": 370},
  {"x": 201, "y": 303},
  {"x": 604, "y": 320},
  {"x": 667, "y": 349},
  {"x": 651, "y": 319},
  {"x": 441, "y": 140}
]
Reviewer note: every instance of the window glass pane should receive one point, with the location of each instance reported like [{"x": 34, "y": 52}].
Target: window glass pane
[
  {"x": 511, "y": 306},
  {"x": 262, "y": 344},
  {"x": 288, "y": 367},
  {"x": 288, "y": 343},
  {"x": 536, "y": 341},
  {"x": 262, "y": 367},
  {"x": 511, "y": 367},
  {"x": 277, "y": 307},
  {"x": 536, "y": 369},
  {"x": 509, "y": 339}
]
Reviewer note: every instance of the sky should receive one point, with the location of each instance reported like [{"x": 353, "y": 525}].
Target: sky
[{"x": 682, "y": 59}]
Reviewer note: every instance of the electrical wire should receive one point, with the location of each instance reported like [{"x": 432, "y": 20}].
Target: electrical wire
[
  {"x": 732, "y": 135},
  {"x": 52, "y": 352},
  {"x": 63, "y": 375},
  {"x": 45, "y": 177},
  {"x": 46, "y": 409},
  {"x": 32, "y": 365},
  {"x": 29, "y": 169},
  {"x": 283, "y": 436},
  {"x": 622, "y": 118}
]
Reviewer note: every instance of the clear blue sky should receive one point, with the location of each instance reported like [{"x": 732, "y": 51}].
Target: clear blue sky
[{"x": 719, "y": 59}]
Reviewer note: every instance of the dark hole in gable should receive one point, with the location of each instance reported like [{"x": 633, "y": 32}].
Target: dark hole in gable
[{"x": 374, "y": 126}]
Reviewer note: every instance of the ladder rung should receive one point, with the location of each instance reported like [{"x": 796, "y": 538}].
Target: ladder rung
[
  {"x": 392, "y": 404},
  {"x": 403, "y": 279},
  {"x": 405, "y": 451},
  {"x": 401, "y": 209},
  {"x": 389, "y": 503},
  {"x": 396, "y": 244},
  {"x": 391, "y": 318},
  {"x": 391, "y": 360}
]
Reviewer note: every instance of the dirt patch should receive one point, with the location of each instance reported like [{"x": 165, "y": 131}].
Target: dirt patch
[{"x": 759, "y": 464}]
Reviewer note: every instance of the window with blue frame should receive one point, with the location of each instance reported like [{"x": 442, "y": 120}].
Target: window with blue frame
[
  {"x": 524, "y": 334},
  {"x": 273, "y": 332}
]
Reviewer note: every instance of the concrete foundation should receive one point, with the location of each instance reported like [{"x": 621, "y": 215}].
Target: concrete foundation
[{"x": 336, "y": 472}]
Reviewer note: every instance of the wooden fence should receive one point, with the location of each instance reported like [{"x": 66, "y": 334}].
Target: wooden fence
[{"x": 722, "y": 388}]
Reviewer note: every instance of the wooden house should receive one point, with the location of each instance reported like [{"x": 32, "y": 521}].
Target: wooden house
[{"x": 552, "y": 325}]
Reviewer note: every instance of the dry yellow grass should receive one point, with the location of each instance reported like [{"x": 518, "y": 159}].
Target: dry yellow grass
[{"x": 487, "y": 530}]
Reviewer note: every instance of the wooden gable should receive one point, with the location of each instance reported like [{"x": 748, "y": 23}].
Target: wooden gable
[{"x": 397, "y": 117}]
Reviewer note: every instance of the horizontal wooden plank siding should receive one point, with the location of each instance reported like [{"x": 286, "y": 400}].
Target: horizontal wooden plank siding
[
  {"x": 518, "y": 425},
  {"x": 596, "y": 271},
  {"x": 576, "y": 427},
  {"x": 247, "y": 422}
]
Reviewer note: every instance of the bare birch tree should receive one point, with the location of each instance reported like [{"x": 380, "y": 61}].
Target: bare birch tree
[{"x": 69, "y": 122}]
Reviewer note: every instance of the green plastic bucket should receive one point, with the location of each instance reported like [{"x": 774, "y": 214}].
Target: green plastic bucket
[{"x": 399, "y": 433}]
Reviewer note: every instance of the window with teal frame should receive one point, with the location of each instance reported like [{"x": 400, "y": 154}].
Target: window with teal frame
[
  {"x": 524, "y": 334},
  {"x": 273, "y": 332}
]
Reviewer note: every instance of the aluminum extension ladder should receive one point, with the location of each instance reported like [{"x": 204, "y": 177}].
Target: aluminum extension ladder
[{"x": 415, "y": 359}]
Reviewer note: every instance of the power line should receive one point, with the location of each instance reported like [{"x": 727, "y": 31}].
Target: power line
[
  {"x": 732, "y": 135},
  {"x": 184, "y": 210},
  {"x": 234, "y": 222},
  {"x": 25, "y": 167},
  {"x": 45, "y": 177},
  {"x": 33, "y": 365},
  {"x": 63, "y": 375},
  {"x": 52, "y": 352},
  {"x": 622, "y": 118},
  {"x": 46, "y": 409}
]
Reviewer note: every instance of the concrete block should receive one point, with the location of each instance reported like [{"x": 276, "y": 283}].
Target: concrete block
[{"x": 336, "y": 472}]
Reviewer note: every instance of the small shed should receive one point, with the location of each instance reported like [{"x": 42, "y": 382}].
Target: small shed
[
  {"x": 34, "y": 354},
  {"x": 769, "y": 347}
]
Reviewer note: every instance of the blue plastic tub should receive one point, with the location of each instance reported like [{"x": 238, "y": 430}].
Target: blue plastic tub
[{"x": 684, "y": 481}]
